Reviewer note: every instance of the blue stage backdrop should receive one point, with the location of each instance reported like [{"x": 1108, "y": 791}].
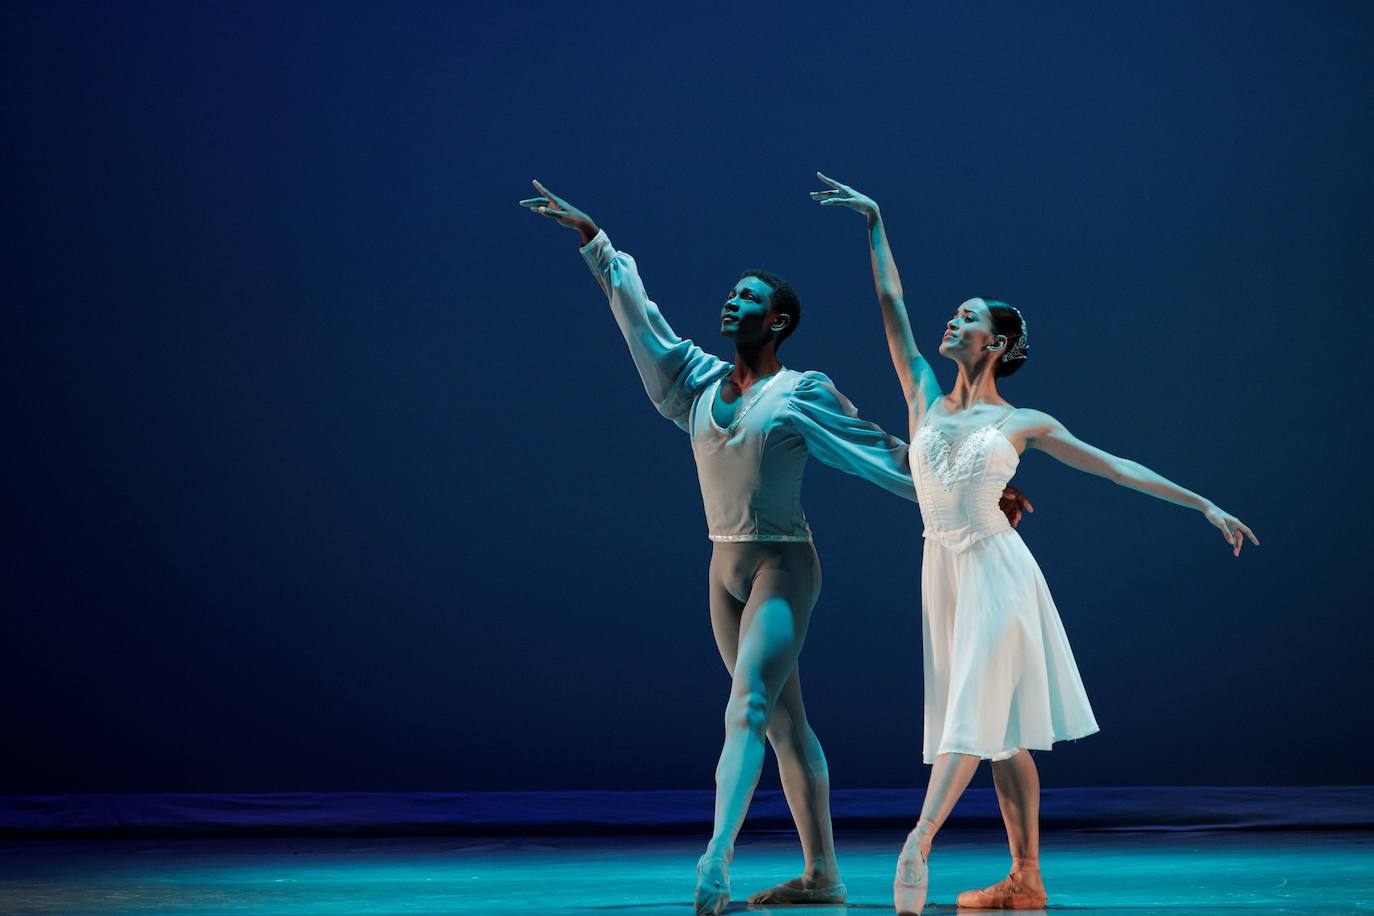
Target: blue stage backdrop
[{"x": 328, "y": 469}]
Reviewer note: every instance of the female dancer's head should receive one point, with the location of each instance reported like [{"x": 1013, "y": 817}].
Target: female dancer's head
[
  {"x": 987, "y": 331},
  {"x": 762, "y": 306}
]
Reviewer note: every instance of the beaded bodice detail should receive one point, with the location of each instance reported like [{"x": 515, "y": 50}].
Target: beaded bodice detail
[
  {"x": 959, "y": 482},
  {"x": 951, "y": 459}
]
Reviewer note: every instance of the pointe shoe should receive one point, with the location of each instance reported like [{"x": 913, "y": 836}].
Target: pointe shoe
[
  {"x": 912, "y": 882},
  {"x": 1007, "y": 894},
  {"x": 711, "y": 896}
]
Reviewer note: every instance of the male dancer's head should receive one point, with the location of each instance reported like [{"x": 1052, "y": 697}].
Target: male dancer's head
[{"x": 761, "y": 311}]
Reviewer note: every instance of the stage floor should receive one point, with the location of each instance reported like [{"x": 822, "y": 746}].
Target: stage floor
[{"x": 1240, "y": 873}]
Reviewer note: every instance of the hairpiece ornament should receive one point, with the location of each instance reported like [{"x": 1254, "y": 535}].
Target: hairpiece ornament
[{"x": 1018, "y": 349}]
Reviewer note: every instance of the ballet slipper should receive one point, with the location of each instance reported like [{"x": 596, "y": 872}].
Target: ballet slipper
[
  {"x": 1008, "y": 894},
  {"x": 712, "y": 895},
  {"x": 801, "y": 890},
  {"x": 912, "y": 882}
]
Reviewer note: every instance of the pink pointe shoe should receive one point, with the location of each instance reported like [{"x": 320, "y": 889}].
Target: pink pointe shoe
[
  {"x": 1007, "y": 894},
  {"x": 913, "y": 878}
]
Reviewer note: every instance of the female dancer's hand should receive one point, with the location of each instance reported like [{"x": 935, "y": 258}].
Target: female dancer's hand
[
  {"x": 560, "y": 211},
  {"x": 1013, "y": 501},
  {"x": 1233, "y": 529},
  {"x": 842, "y": 195}
]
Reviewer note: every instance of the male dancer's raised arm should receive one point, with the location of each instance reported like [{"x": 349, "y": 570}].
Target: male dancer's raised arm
[{"x": 673, "y": 370}]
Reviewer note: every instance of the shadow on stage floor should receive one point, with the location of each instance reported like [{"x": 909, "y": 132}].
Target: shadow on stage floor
[{"x": 1131, "y": 874}]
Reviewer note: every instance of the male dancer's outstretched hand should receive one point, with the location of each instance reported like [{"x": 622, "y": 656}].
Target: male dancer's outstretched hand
[{"x": 560, "y": 211}]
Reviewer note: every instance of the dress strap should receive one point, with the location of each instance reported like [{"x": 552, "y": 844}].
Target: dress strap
[
  {"x": 998, "y": 424},
  {"x": 925, "y": 417}
]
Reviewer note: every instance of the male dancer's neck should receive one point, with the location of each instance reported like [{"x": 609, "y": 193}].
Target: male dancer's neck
[{"x": 753, "y": 363}]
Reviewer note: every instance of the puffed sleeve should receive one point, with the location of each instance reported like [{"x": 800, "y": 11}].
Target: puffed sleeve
[
  {"x": 836, "y": 435},
  {"x": 674, "y": 370}
]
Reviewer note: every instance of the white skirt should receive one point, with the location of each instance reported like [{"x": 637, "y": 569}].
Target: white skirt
[{"x": 999, "y": 673}]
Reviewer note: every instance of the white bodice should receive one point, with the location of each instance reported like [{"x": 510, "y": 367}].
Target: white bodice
[{"x": 959, "y": 483}]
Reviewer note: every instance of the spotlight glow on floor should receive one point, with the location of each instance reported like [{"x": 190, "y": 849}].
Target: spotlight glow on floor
[{"x": 1254, "y": 873}]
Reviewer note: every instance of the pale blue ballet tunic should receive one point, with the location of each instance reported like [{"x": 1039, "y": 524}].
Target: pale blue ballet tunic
[{"x": 750, "y": 471}]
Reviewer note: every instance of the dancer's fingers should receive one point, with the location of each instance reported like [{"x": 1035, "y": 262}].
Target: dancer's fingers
[
  {"x": 1242, "y": 530},
  {"x": 1027, "y": 503},
  {"x": 534, "y": 202},
  {"x": 547, "y": 193},
  {"x": 830, "y": 181}
]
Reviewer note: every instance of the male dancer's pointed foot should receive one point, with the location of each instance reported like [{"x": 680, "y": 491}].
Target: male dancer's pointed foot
[
  {"x": 802, "y": 890},
  {"x": 912, "y": 882},
  {"x": 713, "y": 885},
  {"x": 1014, "y": 892}
]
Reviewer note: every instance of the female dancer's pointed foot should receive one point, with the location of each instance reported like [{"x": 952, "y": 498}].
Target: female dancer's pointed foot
[
  {"x": 802, "y": 890},
  {"x": 1014, "y": 892},
  {"x": 713, "y": 885},
  {"x": 913, "y": 877}
]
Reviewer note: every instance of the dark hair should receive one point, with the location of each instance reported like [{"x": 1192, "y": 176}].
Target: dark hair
[
  {"x": 783, "y": 299},
  {"x": 1008, "y": 322}
]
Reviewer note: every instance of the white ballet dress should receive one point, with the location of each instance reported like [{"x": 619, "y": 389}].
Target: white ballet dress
[{"x": 999, "y": 674}]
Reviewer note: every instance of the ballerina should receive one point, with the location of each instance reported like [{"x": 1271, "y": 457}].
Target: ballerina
[
  {"x": 999, "y": 676},
  {"x": 752, "y": 425}
]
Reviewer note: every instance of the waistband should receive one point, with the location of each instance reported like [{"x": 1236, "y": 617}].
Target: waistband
[{"x": 735, "y": 538}]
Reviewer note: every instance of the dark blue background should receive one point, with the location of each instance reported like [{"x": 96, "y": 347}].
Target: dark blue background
[{"x": 328, "y": 468}]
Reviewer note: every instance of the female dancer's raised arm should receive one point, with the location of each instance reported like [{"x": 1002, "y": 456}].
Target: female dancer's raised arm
[
  {"x": 913, "y": 370},
  {"x": 917, "y": 378}
]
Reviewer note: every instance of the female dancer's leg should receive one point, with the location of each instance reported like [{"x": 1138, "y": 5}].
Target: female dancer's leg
[
  {"x": 1018, "y": 795},
  {"x": 949, "y": 777}
]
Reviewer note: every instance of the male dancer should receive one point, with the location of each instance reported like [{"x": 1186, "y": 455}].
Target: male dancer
[{"x": 752, "y": 424}]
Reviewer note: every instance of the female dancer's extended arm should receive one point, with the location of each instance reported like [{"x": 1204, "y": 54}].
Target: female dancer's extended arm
[
  {"x": 914, "y": 372},
  {"x": 1044, "y": 432}
]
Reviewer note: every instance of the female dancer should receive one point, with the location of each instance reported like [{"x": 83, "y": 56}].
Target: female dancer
[{"x": 1000, "y": 679}]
